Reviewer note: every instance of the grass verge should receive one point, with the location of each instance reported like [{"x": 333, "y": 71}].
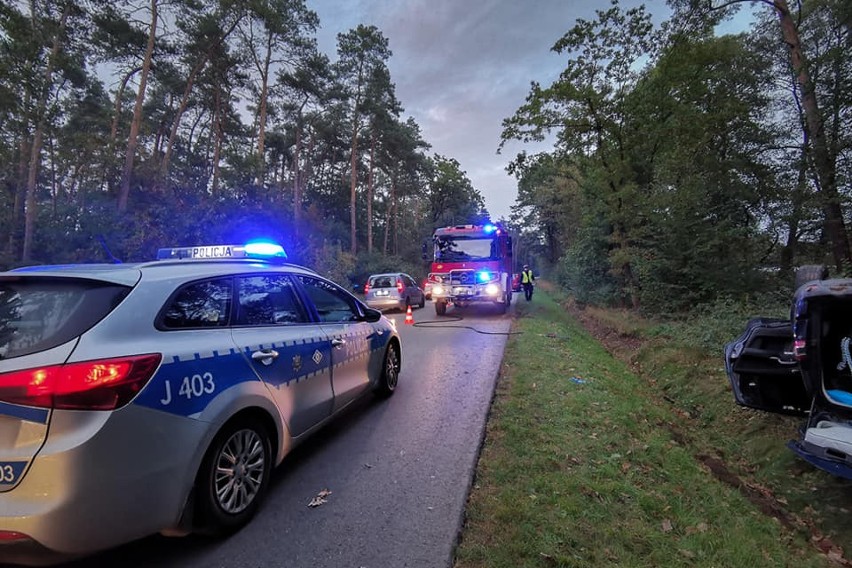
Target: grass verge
[{"x": 589, "y": 459}]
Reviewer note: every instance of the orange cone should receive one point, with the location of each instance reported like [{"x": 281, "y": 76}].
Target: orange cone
[{"x": 409, "y": 318}]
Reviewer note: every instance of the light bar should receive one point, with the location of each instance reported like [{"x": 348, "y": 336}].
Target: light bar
[
  {"x": 265, "y": 250},
  {"x": 260, "y": 250}
]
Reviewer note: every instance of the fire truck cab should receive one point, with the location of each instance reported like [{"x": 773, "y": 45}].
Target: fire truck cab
[{"x": 470, "y": 263}]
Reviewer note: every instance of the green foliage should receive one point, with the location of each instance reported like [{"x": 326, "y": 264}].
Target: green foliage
[
  {"x": 585, "y": 271},
  {"x": 711, "y": 325},
  {"x": 664, "y": 191},
  {"x": 549, "y": 204},
  {"x": 198, "y": 174},
  {"x": 452, "y": 198},
  {"x": 335, "y": 264}
]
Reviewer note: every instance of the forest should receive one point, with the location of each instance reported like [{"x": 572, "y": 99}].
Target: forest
[
  {"x": 692, "y": 167},
  {"x": 222, "y": 121},
  {"x": 689, "y": 165}
]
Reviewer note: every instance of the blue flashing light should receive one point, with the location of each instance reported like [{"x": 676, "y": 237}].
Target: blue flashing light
[
  {"x": 262, "y": 249},
  {"x": 489, "y": 228},
  {"x": 483, "y": 276},
  {"x": 256, "y": 249}
]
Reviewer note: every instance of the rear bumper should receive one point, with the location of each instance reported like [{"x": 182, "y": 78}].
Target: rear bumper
[
  {"x": 386, "y": 304},
  {"x": 470, "y": 298},
  {"x": 491, "y": 292},
  {"x": 101, "y": 480}
]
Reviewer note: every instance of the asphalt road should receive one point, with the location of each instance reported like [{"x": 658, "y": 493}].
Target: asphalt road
[{"x": 398, "y": 470}]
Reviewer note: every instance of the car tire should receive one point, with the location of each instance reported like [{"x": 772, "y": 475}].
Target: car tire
[
  {"x": 390, "y": 372},
  {"x": 809, "y": 273},
  {"x": 422, "y": 301},
  {"x": 227, "y": 497},
  {"x": 440, "y": 307}
]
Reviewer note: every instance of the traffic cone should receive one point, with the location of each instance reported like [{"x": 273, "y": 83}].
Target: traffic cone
[{"x": 409, "y": 318}]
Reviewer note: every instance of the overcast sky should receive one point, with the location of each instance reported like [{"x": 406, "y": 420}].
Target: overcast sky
[{"x": 462, "y": 66}]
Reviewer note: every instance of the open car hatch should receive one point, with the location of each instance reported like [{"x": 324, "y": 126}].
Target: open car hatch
[{"x": 763, "y": 371}]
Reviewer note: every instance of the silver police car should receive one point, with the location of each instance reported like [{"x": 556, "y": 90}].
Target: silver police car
[{"x": 158, "y": 396}]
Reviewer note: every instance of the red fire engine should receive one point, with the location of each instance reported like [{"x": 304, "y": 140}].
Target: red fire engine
[{"x": 470, "y": 263}]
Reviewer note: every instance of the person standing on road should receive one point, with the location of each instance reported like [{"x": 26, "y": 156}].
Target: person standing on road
[{"x": 527, "y": 279}]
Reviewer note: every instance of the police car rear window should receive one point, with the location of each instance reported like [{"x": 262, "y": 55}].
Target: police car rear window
[{"x": 37, "y": 314}]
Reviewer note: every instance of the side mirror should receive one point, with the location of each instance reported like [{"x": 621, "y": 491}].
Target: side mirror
[
  {"x": 510, "y": 245},
  {"x": 372, "y": 315},
  {"x": 424, "y": 251}
]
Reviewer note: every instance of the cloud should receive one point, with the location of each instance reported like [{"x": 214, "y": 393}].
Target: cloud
[{"x": 462, "y": 66}]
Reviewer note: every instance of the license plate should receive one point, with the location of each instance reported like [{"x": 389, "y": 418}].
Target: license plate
[
  {"x": 461, "y": 290},
  {"x": 10, "y": 472},
  {"x": 381, "y": 292}
]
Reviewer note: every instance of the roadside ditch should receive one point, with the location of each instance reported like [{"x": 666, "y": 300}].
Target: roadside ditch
[{"x": 627, "y": 347}]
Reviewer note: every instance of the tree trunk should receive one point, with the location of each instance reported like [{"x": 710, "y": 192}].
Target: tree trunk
[
  {"x": 135, "y": 125},
  {"x": 20, "y": 197},
  {"x": 54, "y": 182},
  {"x": 190, "y": 83},
  {"x": 824, "y": 163},
  {"x": 297, "y": 178},
  {"x": 217, "y": 145},
  {"x": 389, "y": 216},
  {"x": 261, "y": 126},
  {"x": 106, "y": 176},
  {"x": 370, "y": 191},
  {"x": 788, "y": 253},
  {"x": 353, "y": 184},
  {"x": 119, "y": 94},
  {"x": 395, "y": 207},
  {"x": 35, "y": 150}
]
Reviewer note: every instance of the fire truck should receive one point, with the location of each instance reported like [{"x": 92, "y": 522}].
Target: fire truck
[{"x": 470, "y": 264}]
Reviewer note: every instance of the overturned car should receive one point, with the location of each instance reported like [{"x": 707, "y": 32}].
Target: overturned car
[{"x": 803, "y": 366}]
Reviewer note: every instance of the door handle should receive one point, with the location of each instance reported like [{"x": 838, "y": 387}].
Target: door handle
[
  {"x": 265, "y": 356},
  {"x": 338, "y": 342}
]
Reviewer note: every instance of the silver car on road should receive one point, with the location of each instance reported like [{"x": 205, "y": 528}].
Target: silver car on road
[
  {"x": 393, "y": 291},
  {"x": 158, "y": 396}
]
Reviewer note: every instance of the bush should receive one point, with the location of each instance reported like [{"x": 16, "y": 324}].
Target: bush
[{"x": 585, "y": 270}]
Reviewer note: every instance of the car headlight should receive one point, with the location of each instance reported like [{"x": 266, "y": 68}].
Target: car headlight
[
  {"x": 492, "y": 289},
  {"x": 437, "y": 289}
]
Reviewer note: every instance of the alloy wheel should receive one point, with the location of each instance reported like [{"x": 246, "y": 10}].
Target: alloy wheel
[{"x": 240, "y": 468}]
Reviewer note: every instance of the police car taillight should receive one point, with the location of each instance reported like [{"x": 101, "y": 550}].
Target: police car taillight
[{"x": 104, "y": 384}]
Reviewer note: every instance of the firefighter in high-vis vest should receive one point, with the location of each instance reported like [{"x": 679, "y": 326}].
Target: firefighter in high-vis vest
[{"x": 527, "y": 280}]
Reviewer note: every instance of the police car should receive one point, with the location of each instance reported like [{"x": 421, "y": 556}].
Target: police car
[{"x": 158, "y": 396}]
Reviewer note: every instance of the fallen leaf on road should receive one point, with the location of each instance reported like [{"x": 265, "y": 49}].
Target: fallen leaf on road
[{"x": 320, "y": 498}]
